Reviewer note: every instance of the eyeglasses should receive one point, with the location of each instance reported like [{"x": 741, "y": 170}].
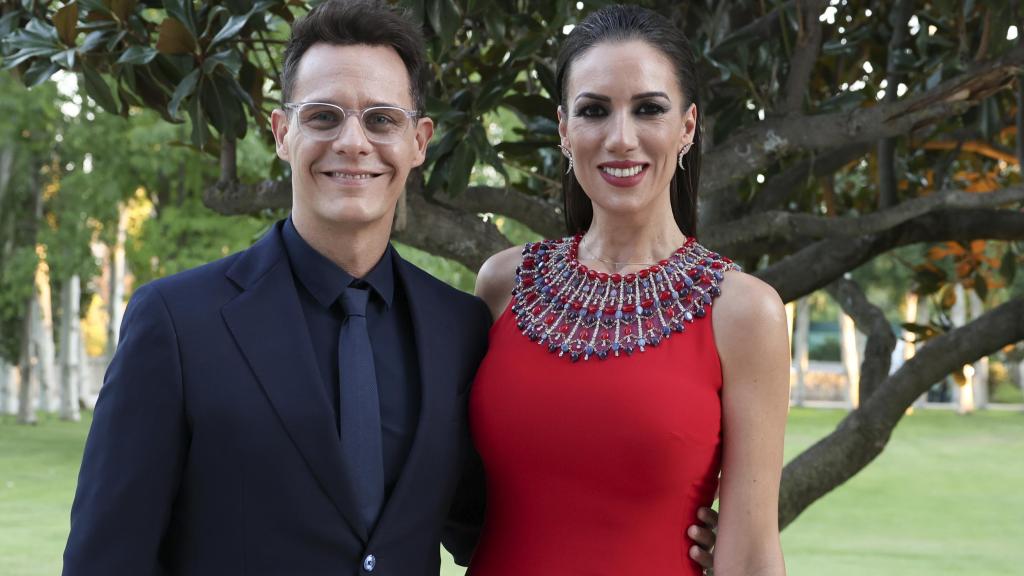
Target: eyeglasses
[{"x": 381, "y": 124}]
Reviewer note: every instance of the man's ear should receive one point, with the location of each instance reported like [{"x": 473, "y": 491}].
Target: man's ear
[
  {"x": 279, "y": 125},
  {"x": 424, "y": 132}
]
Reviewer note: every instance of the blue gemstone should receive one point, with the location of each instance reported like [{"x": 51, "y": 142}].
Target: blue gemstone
[
  {"x": 641, "y": 342},
  {"x": 687, "y": 281},
  {"x": 552, "y": 347},
  {"x": 688, "y": 316},
  {"x": 615, "y": 346},
  {"x": 706, "y": 298},
  {"x": 602, "y": 354},
  {"x": 665, "y": 331},
  {"x": 566, "y": 306},
  {"x": 639, "y": 309},
  {"x": 565, "y": 347},
  {"x": 645, "y": 283},
  {"x": 674, "y": 294},
  {"x": 655, "y": 341},
  {"x": 718, "y": 276},
  {"x": 618, "y": 314},
  {"x": 700, "y": 312},
  {"x": 614, "y": 293},
  {"x": 598, "y": 314},
  {"x": 700, "y": 268},
  {"x": 566, "y": 274},
  {"x": 589, "y": 350}
]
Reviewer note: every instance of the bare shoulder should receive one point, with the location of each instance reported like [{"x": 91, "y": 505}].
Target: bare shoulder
[
  {"x": 496, "y": 278},
  {"x": 749, "y": 319}
]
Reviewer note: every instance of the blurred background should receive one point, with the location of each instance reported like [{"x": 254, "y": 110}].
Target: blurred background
[{"x": 862, "y": 157}]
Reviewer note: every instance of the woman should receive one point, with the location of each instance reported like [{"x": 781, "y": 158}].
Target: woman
[{"x": 612, "y": 396}]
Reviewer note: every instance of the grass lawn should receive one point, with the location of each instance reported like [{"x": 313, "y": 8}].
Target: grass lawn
[{"x": 944, "y": 498}]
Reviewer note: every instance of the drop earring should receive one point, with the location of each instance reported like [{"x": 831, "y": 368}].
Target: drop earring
[
  {"x": 567, "y": 154},
  {"x": 682, "y": 153}
]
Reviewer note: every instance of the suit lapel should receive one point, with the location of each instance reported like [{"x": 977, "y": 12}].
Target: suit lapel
[{"x": 268, "y": 325}]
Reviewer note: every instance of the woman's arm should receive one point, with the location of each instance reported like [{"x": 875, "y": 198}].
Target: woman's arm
[{"x": 753, "y": 344}]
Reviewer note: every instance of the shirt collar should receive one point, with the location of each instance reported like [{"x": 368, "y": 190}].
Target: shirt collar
[{"x": 324, "y": 279}]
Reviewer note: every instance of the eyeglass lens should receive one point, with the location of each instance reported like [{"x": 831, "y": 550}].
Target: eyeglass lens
[{"x": 324, "y": 122}]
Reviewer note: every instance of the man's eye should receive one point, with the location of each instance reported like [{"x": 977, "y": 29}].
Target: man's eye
[{"x": 380, "y": 119}]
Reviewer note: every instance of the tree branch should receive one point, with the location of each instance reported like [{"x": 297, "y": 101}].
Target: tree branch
[
  {"x": 805, "y": 54},
  {"x": 541, "y": 215},
  {"x": 898, "y": 18},
  {"x": 863, "y": 434},
  {"x": 755, "y": 147},
  {"x": 819, "y": 264},
  {"x": 871, "y": 321},
  {"x": 779, "y": 188},
  {"x": 781, "y": 224},
  {"x": 761, "y": 28}
]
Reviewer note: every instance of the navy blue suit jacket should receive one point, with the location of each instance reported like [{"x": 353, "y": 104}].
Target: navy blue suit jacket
[{"x": 213, "y": 449}]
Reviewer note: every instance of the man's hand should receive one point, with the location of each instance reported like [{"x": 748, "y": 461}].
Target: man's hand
[{"x": 704, "y": 537}]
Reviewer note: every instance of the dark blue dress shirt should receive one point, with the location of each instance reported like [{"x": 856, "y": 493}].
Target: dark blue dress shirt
[{"x": 319, "y": 283}]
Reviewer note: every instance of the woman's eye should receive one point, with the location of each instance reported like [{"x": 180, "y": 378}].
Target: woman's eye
[
  {"x": 650, "y": 109},
  {"x": 591, "y": 111}
]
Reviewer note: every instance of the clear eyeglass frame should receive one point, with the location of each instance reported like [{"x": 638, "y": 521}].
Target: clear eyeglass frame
[{"x": 374, "y": 134}]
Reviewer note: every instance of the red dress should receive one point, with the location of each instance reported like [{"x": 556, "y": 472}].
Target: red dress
[{"x": 594, "y": 466}]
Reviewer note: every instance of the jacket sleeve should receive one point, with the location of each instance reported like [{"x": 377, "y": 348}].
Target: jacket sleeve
[
  {"x": 132, "y": 466},
  {"x": 466, "y": 517}
]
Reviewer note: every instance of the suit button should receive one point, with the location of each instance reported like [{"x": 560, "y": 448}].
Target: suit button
[{"x": 369, "y": 563}]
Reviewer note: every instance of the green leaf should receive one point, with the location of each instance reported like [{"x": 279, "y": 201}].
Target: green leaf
[
  {"x": 175, "y": 38},
  {"x": 138, "y": 55},
  {"x": 183, "y": 90},
  {"x": 39, "y": 72},
  {"x": 66, "y": 22},
  {"x": 1008, "y": 266},
  {"x": 981, "y": 286},
  {"x": 531, "y": 104},
  {"x": 184, "y": 12},
  {"x": 94, "y": 40},
  {"x": 462, "y": 160},
  {"x": 97, "y": 88},
  {"x": 235, "y": 24},
  {"x": 445, "y": 21},
  {"x": 200, "y": 131},
  {"x": 64, "y": 59},
  {"x": 230, "y": 60},
  {"x": 123, "y": 8}
]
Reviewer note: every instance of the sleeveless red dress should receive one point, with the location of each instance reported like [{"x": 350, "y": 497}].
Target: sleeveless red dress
[{"x": 596, "y": 466}]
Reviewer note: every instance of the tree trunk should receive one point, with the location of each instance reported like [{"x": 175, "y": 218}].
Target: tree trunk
[
  {"x": 910, "y": 313},
  {"x": 117, "y": 273},
  {"x": 70, "y": 349},
  {"x": 801, "y": 349},
  {"x": 86, "y": 387},
  {"x": 43, "y": 342},
  {"x": 850, "y": 357},
  {"x": 26, "y": 399},
  {"x": 7, "y": 378}
]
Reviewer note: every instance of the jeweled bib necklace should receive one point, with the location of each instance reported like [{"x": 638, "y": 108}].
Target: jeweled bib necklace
[{"x": 582, "y": 313}]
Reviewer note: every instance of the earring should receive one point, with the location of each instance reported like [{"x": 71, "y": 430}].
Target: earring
[
  {"x": 567, "y": 154},
  {"x": 686, "y": 148}
]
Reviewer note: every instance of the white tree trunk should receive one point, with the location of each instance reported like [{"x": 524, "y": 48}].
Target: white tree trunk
[
  {"x": 977, "y": 308},
  {"x": 801, "y": 349},
  {"x": 43, "y": 342},
  {"x": 963, "y": 396},
  {"x": 850, "y": 352},
  {"x": 26, "y": 396},
  {"x": 87, "y": 389},
  {"x": 70, "y": 349},
  {"x": 117, "y": 274},
  {"x": 7, "y": 384}
]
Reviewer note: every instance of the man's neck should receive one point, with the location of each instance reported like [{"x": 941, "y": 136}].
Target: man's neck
[{"x": 354, "y": 249}]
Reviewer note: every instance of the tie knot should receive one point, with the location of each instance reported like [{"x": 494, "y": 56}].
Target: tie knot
[{"x": 353, "y": 301}]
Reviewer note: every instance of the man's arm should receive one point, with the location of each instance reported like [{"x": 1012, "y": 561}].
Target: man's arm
[{"x": 133, "y": 458}]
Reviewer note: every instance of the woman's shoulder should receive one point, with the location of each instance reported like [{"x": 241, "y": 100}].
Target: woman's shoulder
[
  {"x": 497, "y": 277},
  {"x": 746, "y": 301}
]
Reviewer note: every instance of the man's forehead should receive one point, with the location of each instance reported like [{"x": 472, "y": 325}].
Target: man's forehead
[{"x": 330, "y": 72}]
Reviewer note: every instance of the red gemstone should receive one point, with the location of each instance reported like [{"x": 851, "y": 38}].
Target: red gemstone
[
  {"x": 609, "y": 310},
  {"x": 577, "y": 306},
  {"x": 664, "y": 296},
  {"x": 630, "y": 278},
  {"x": 627, "y": 330},
  {"x": 591, "y": 274},
  {"x": 644, "y": 273},
  {"x": 584, "y": 334},
  {"x": 692, "y": 273},
  {"x": 531, "y": 297},
  {"x": 647, "y": 303},
  {"x": 528, "y": 263},
  {"x": 535, "y": 248},
  {"x": 616, "y": 278},
  {"x": 563, "y": 329},
  {"x": 537, "y": 310},
  {"x": 602, "y": 277},
  {"x": 670, "y": 312},
  {"x": 678, "y": 286},
  {"x": 563, "y": 299},
  {"x": 527, "y": 281},
  {"x": 663, "y": 262},
  {"x": 648, "y": 324},
  {"x": 549, "y": 319},
  {"x": 655, "y": 269},
  {"x": 605, "y": 335},
  {"x": 592, "y": 308},
  {"x": 628, "y": 308},
  {"x": 717, "y": 265}
]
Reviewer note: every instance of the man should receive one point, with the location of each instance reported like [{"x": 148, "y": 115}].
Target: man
[{"x": 299, "y": 407}]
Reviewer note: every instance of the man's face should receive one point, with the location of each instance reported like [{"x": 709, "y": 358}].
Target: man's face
[{"x": 349, "y": 180}]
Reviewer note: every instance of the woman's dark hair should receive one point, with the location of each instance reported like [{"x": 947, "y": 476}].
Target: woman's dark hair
[
  {"x": 352, "y": 22},
  {"x": 621, "y": 24}
]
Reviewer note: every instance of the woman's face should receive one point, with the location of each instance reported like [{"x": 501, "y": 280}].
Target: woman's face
[{"x": 625, "y": 121}]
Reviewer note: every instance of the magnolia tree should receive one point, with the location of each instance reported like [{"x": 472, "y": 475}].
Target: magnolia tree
[{"x": 836, "y": 133}]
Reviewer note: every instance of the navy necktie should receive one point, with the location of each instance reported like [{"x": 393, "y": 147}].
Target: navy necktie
[{"x": 361, "y": 443}]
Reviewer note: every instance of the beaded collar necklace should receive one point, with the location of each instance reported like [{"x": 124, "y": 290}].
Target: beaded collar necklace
[{"x": 582, "y": 313}]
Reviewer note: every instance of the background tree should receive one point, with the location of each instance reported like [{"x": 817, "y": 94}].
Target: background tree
[{"x": 838, "y": 134}]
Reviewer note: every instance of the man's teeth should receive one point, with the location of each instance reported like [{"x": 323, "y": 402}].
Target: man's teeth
[
  {"x": 352, "y": 176},
  {"x": 623, "y": 172}
]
